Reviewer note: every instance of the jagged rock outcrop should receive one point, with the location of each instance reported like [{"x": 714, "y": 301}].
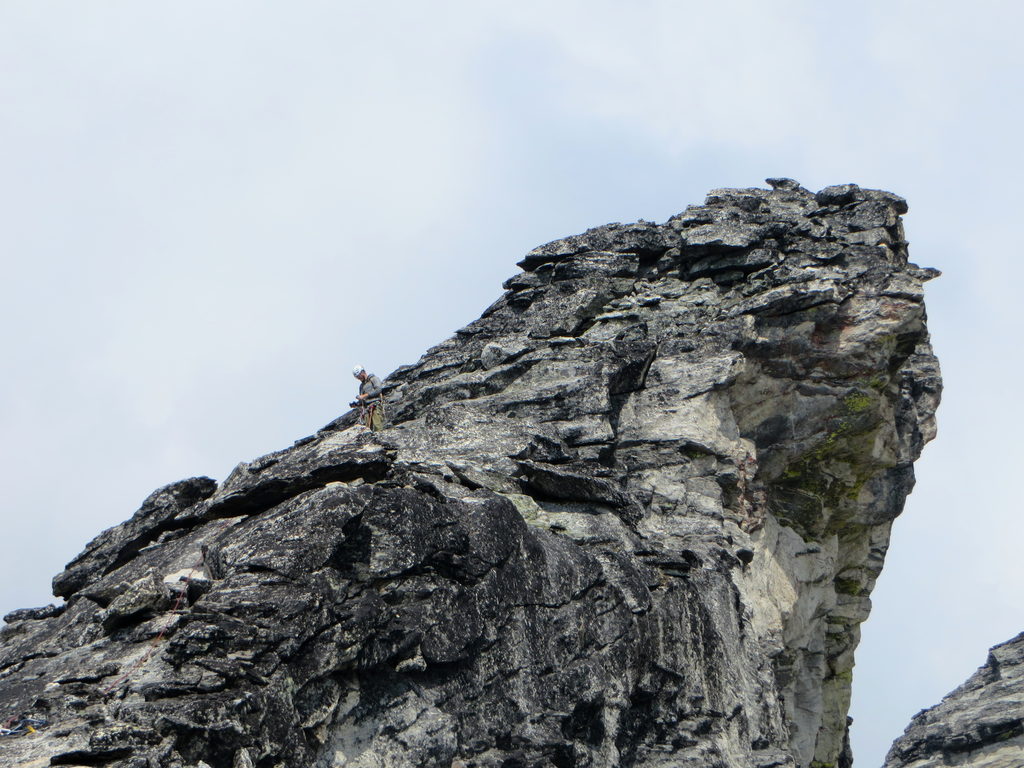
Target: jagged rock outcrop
[
  {"x": 979, "y": 725},
  {"x": 630, "y": 516}
]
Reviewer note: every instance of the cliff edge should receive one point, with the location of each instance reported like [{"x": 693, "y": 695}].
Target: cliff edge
[
  {"x": 630, "y": 516},
  {"x": 979, "y": 725}
]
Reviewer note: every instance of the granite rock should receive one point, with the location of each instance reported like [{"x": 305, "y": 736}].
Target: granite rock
[
  {"x": 632, "y": 515},
  {"x": 979, "y": 725}
]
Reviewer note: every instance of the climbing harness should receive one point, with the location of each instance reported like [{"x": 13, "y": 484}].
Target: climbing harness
[
  {"x": 23, "y": 727},
  {"x": 366, "y": 411}
]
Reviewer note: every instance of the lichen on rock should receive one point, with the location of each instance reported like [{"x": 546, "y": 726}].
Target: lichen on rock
[{"x": 630, "y": 516}]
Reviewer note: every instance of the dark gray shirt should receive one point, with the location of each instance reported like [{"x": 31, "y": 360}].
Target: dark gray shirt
[{"x": 371, "y": 387}]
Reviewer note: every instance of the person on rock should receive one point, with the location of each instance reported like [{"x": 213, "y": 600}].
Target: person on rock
[{"x": 370, "y": 400}]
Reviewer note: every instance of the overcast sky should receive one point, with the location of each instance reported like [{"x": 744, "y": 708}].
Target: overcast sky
[{"x": 212, "y": 210}]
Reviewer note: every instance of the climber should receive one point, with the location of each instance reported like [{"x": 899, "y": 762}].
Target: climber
[{"x": 370, "y": 401}]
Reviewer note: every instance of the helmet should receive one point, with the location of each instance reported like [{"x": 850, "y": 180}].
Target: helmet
[{"x": 356, "y": 370}]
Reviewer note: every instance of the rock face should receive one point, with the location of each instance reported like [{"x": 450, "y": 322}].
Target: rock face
[
  {"x": 979, "y": 725},
  {"x": 630, "y": 516}
]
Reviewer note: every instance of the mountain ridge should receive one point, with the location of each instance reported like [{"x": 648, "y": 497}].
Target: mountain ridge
[{"x": 632, "y": 515}]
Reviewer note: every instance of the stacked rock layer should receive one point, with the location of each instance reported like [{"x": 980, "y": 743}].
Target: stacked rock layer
[
  {"x": 630, "y": 516},
  {"x": 979, "y": 725}
]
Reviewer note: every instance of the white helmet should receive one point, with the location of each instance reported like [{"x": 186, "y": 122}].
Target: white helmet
[{"x": 357, "y": 369}]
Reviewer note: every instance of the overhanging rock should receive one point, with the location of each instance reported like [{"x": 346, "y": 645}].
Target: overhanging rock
[{"x": 630, "y": 516}]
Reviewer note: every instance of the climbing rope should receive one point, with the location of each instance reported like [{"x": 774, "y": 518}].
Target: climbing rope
[
  {"x": 14, "y": 726},
  {"x": 158, "y": 638},
  {"x": 155, "y": 642},
  {"x": 366, "y": 410}
]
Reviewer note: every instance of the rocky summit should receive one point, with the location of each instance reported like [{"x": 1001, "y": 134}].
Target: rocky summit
[
  {"x": 979, "y": 725},
  {"x": 631, "y": 516}
]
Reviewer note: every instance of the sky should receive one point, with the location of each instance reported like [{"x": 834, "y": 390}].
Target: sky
[{"x": 210, "y": 211}]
